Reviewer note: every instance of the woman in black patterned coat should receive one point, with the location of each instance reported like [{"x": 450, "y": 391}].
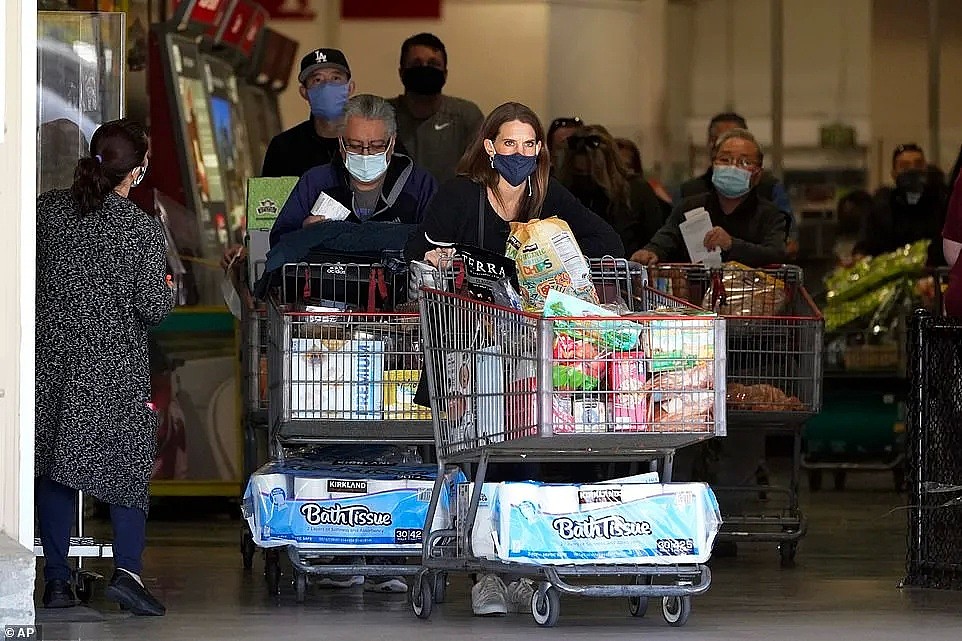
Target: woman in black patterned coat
[{"x": 101, "y": 281}]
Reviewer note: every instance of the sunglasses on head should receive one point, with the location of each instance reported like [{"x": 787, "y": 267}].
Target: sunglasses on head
[
  {"x": 563, "y": 123},
  {"x": 577, "y": 143}
]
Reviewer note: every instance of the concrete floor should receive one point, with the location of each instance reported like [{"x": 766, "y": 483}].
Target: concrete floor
[{"x": 843, "y": 588}]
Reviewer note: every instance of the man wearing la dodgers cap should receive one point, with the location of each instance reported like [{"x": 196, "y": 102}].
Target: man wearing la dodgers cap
[{"x": 325, "y": 79}]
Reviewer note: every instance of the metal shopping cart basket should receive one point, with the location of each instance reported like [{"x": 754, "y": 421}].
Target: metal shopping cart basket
[
  {"x": 329, "y": 369},
  {"x": 493, "y": 375},
  {"x": 774, "y": 378}
]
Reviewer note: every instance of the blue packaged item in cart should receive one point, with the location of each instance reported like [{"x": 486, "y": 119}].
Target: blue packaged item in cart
[
  {"x": 313, "y": 505},
  {"x": 630, "y": 523}
]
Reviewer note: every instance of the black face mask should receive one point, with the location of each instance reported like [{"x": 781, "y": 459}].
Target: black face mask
[
  {"x": 911, "y": 184},
  {"x": 423, "y": 79}
]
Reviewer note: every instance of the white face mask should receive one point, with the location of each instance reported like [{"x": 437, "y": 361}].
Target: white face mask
[
  {"x": 366, "y": 169},
  {"x": 140, "y": 177}
]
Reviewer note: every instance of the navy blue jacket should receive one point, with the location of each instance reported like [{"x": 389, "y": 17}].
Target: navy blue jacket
[{"x": 405, "y": 194}]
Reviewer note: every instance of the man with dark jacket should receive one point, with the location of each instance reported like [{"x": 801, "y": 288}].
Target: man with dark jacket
[
  {"x": 367, "y": 182},
  {"x": 909, "y": 212},
  {"x": 768, "y": 186},
  {"x": 748, "y": 229}
]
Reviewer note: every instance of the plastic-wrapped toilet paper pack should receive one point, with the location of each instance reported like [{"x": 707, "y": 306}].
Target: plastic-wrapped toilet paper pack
[
  {"x": 609, "y": 523},
  {"x": 316, "y": 506}
]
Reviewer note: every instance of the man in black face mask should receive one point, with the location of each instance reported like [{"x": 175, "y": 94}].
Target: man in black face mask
[
  {"x": 910, "y": 212},
  {"x": 433, "y": 128}
]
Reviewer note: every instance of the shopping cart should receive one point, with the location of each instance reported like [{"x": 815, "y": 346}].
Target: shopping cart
[
  {"x": 253, "y": 328},
  {"x": 329, "y": 375},
  {"x": 774, "y": 381},
  {"x": 494, "y": 377}
]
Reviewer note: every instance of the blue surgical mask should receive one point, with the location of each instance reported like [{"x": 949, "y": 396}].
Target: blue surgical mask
[
  {"x": 366, "y": 168},
  {"x": 731, "y": 182},
  {"x": 515, "y": 168},
  {"x": 328, "y": 100}
]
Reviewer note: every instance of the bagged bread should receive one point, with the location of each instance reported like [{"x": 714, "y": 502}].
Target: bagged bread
[{"x": 547, "y": 257}]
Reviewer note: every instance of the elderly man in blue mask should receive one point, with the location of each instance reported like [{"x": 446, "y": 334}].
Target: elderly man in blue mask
[{"x": 326, "y": 85}]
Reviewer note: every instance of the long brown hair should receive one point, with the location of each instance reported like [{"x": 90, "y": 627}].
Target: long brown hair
[
  {"x": 476, "y": 164},
  {"x": 605, "y": 167}
]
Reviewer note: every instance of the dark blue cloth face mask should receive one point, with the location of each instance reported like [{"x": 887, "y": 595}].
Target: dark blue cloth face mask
[{"x": 515, "y": 168}]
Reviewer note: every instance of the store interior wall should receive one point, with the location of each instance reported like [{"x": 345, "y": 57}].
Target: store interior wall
[
  {"x": 900, "y": 77},
  {"x": 17, "y": 193}
]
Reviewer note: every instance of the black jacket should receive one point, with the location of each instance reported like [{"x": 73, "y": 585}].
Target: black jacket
[
  {"x": 636, "y": 221},
  {"x": 452, "y": 217},
  {"x": 293, "y": 152},
  {"x": 893, "y": 223},
  {"x": 758, "y": 230}
]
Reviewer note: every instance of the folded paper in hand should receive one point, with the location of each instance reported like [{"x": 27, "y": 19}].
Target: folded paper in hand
[
  {"x": 696, "y": 226},
  {"x": 329, "y": 208}
]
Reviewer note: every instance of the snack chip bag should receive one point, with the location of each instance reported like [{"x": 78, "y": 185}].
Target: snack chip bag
[{"x": 548, "y": 257}]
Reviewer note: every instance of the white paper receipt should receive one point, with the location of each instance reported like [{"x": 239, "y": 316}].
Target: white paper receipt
[
  {"x": 329, "y": 208},
  {"x": 696, "y": 226}
]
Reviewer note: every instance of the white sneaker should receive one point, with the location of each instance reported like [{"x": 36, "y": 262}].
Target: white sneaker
[
  {"x": 328, "y": 581},
  {"x": 519, "y": 595},
  {"x": 386, "y": 584},
  {"x": 488, "y": 597}
]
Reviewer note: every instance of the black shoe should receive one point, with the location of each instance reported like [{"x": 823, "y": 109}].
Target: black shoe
[
  {"x": 58, "y": 594},
  {"x": 131, "y": 595}
]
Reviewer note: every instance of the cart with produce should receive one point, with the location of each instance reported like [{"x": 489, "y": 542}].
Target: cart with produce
[
  {"x": 866, "y": 313},
  {"x": 774, "y": 380},
  {"x": 579, "y": 381}
]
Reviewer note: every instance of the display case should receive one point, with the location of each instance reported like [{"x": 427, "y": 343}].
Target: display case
[{"x": 80, "y": 85}]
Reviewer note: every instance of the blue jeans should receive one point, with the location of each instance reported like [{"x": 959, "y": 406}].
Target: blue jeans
[{"x": 57, "y": 513}]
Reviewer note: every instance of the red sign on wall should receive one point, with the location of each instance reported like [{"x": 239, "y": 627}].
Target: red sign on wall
[{"x": 371, "y": 9}]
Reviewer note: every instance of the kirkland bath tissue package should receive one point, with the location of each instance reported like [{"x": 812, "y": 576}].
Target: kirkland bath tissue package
[
  {"x": 318, "y": 506},
  {"x": 649, "y": 523}
]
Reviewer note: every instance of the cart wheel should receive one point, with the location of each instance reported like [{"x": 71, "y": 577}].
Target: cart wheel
[
  {"x": 638, "y": 605},
  {"x": 814, "y": 480},
  {"x": 84, "y": 586},
  {"x": 248, "y": 549},
  {"x": 676, "y": 610},
  {"x": 300, "y": 586},
  {"x": 546, "y": 607},
  {"x": 786, "y": 553},
  {"x": 422, "y": 601},
  {"x": 440, "y": 590},
  {"x": 839, "y": 480},
  {"x": 272, "y": 572},
  {"x": 898, "y": 477}
]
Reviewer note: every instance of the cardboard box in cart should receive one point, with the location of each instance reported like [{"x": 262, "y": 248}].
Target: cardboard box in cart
[{"x": 337, "y": 379}]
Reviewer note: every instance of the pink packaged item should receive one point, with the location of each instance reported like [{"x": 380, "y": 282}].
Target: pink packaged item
[{"x": 629, "y": 410}]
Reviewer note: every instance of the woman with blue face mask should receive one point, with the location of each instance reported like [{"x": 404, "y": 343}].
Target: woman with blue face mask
[
  {"x": 745, "y": 227},
  {"x": 504, "y": 177}
]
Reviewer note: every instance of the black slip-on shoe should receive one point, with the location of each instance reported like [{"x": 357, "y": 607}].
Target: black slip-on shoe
[
  {"x": 58, "y": 594},
  {"x": 131, "y": 595}
]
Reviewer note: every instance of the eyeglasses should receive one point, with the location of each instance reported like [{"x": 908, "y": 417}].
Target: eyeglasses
[
  {"x": 563, "y": 123},
  {"x": 743, "y": 163},
  {"x": 577, "y": 143},
  {"x": 358, "y": 147}
]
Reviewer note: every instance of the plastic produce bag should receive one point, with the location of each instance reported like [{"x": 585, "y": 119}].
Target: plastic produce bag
[
  {"x": 746, "y": 292},
  {"x": 548, "y": 257},
  {"x": 869, "y": 273}
]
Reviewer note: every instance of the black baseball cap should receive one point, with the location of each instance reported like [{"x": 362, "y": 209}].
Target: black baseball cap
[{"x": 323, "y": 59}]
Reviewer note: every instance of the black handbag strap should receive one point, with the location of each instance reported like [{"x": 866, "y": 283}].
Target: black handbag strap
[{"x": 481, "y": 212}]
